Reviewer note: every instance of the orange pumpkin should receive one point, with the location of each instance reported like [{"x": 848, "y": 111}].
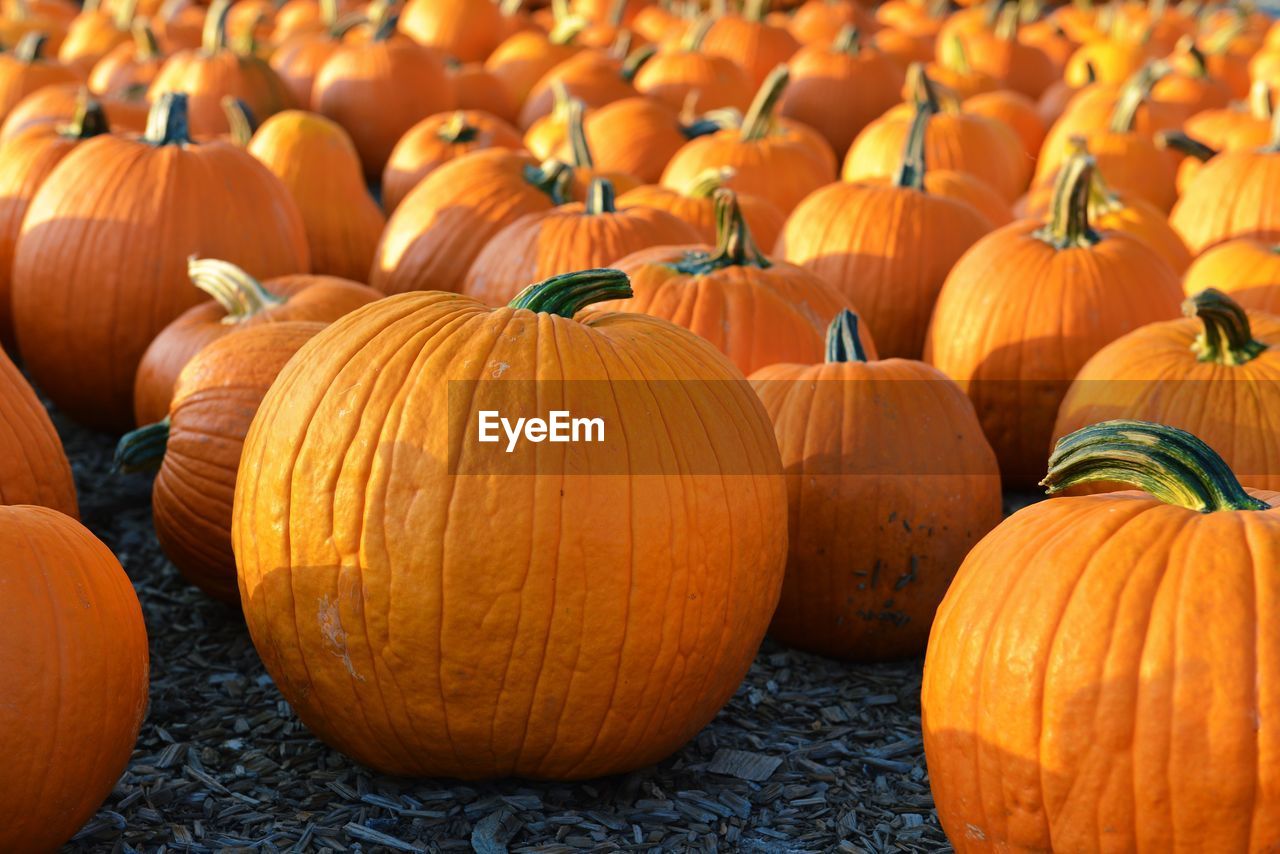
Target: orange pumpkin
[
  {"x": 26, "y": 70},
  {"x": 93, "y": 33},
  {"x": 595, "y": 77},
  {"x": 890, "y": 482},
  {"x": 676, "y": 74},
  {"x": 84, "y": 318},
  {"x": 73, "y": 649},
  {"x": 524, "y": 57},
  {"x": 1029, "y": 304},
  {"x": 851, "y": 235},
  {"x": 571, "y": 237},
  {"x": 33, "y": 467},
  {"x": 570, "y": 673},
  {"x": 1001, "y": 53},
  {"x": 756, "y": 45},
  {"x": 130, "y": 64},
  {"x": 239, "y": 301},
  {"x": 468, "y": 30},
  {"x": 1015, "y": 111},
  {"x": 1246, "y": 269},
  {"x": 1091, "y": 678},
  {"x": 437, "y": 140},
  {"x": 299, "y": 58},
  {"x": 1237, "y": 126},
  {"x": 56, "y": 105},
  {"x": 696, "y": 206},
  {"x": 1191, "y": 88},
  {"x": 821, "y": 22},
  {"x": 474, "y": 88}
]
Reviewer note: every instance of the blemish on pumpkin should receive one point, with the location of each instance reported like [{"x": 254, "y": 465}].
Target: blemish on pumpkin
[
  {"x": 334, "y": 636},
  {"x": 497, "y": 369},
  {"x": 975, "y": 832}
]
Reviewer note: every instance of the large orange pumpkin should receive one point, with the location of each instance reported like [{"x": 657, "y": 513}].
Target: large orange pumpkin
[
  {"x": 33, "y": 467},
  {"x": 435, "y": 141},
  {"x": 1247, "y": 269},
  {"x": 73, "y": 655},
  {"x": 99, "y": 266},
  {"x": 1101, "y": 670},
  {"x": 508, "y": 625},
  {"x": 890, "y": 482}
]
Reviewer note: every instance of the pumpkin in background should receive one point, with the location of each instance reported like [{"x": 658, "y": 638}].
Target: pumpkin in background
[
  {"x": 1029, "y": 304},
  {"x": 317, "y": 162},
  {"x": 73, "y": 653},
  {"x": 524, "y": 57},
  {"x": 130, "y": 64},
  {"x": 197, "y": 448},
  {"x": 1215, "y": 373},
  {"x": 536, "y": 639},
  {"x": 468, "y": 30},
  {"x": 1106, "y": 60},
  {"x": 1191, "y": 88},
  {"x": 1085, "y": 685},
  {"x": 57, "y": 105},
  {"x": 93, "y": 33},
  {"x": 33, "y": 466},
  {"x": 437, "y": 140},
  {"x": 380, "y": 87},
  {"x": 852, "y": 235},
  {"x": 634, "y": 136},
  {"x": 1246, "y": 269},
  {"x": 756, "y": 45},
  {"x": 770, "y": 160},
  {"x": 179, "y": 25},
  {"x": 1244, "y": 125},
  {"x": 83, "y": 319},
  {"x": 1016, "y": 112},
  {"x": 298, "y": 59},
  {"x": 571, "y": 237},
  {"x": 1001, "y": 53},
  {"x": 443, "y": 224},
  {"x": 861, "y": 80},
  {"x": 26, "y": 70},
  {"x": 756, "y": 311},
  {"x": 594, "y": 77},
  {"x": 1232, "y": 196},
  {"x": 821, "y": 22},
  {"x": 697, "y": 206},
  {"x": 474, "y": 88},
  {"x": 676, "y": 73},
  {"x": 217, "y": 70},
  {"x": 25, "y": 161},
  {"x": 890, "y": 482}
]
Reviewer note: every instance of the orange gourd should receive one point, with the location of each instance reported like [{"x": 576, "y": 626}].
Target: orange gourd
[
  {"x": 93, "y": 33},
  {"x": 696, "y": 206},
  {"x": 685, "y": 71},
  {"x": 1247, "y": 270},
  {"x": 636, "y": 137},
  {"x": 33, "y": 466},
  {"x": 437, "y": 140},
  {"x": 594, "y": 77},
  {"x": 26, "y": 70},
  {"x": 129, "y": 65},
  {"x": 758, "y": 46},
  {"x": 1005, "y": 56},
  {"x": 56, "y": 105},
  {"x": 467, "y": 30},
  {"x": 1015, "y": 111},
  {"x": 476, "y": 89},
  {"x": 298, "y": 59},
  {"x": 524, "y": 57}
]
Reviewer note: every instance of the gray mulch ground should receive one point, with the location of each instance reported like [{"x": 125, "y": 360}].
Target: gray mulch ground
[{"x": 810, "y": 755}]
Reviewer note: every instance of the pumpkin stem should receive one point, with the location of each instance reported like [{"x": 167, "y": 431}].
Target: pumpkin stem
[
  {"x": 240, "y": 295},
  {"x": 911, "y": 170},
  {"x": 1273, "y": 144},
  {"x": 755, "y": 10},
  {"x": 167, "y": 121},
  {"x": 957, "y": 57},
  {"x": 1068, "y": 224},
  {"x": 553, "y": 178},
  {"x": 1227, "y": 338},
  {"x": 697, "y": 34},
  {"x": 345, "y": 24},
  {"x": 707, "y": 181},
  {"x": 1170, "y": 464},
  {"x": 567, "y": 294},
  {"x": 145, "y": 46},
  {"x": 30, "y": 47},
  {"x": 124, "y": 14},
  {"x": 601, "y": 197},
  {"x": 457, "y": 130},
  {"x": 240, "y": 120},
  {"x": 1135, "y": 93},
  {"x": 1186, "y": 46},
  {"x": 89, "y": 119},
  {"x": 579, "y": 149},
  {"x": 1007, "y": 22},
  {"x": 848, "y": 40},
  {"x": 844, "y": 344},
  {"x": 621, "y": 44},
  {"x": 759, "y": 119},
  {"x": 386, "y": 27},
  {"x": 635, "y": 61},
  {"x": 1188, "y": 145},
  {"x": 1260, "y": 104},
  {"x": 328, "y": 12},
  {"x": 734, "y": 244},
  {"x": 214, "y": 36},
  {"x": 143, "y": 449},
  {"x": 617, "y": 11},
  {"x": 921, "y": 88}
]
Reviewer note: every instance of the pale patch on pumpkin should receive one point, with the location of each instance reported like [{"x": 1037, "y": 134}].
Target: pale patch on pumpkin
[
  {"x": 497, "y": 369},
  {"x": 334, "y": 636}
]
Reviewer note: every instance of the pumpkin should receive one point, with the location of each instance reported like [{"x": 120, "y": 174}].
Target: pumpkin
[
  {"x": 216, "y": 70},
  {"x": 1191, "y": 88},
  {"x": 33, "y": 467},
  {"x": 1008, "y": 59},
  {"x": 595, "y": 77},
  {"x": 1100, "y": 670},
  {"x": 1030, "y": 303},
  {"x": 1016, "y": 112},
  {"x": 239, "y": 301},
  {"x": 476, "y": 89},
  {"x": 317, "y": 162},
  {"x": 23, "y": 18},
  {"x": 696, "y": 206},
  {"x": 437, "y": 140},
  {"x": 957, "y": 140},
  {"x": 1246, "y": 269},
  {"x": 524, "y": 57},
  {"x": 770, "y": 160},
  {"x": 954, "y": 72},
  {"x": 1238, "y": 126},
  {"x": 179, "y": 25},
  {"x": 99, "y": 263},
  {"x": 26, "y": 70},
  {"x": 555, "y": 657},
  {"x": 93, "y": 33},
  {"x": 57, "y": 105},
  {"x": 756, "y": 311},
  {"x": 130, "y": 64},
  {"x": 197, "y": 448},
  {"x": 821, "y": 22},
  {"x": 856, "y": 76},
  {"x": 379, "y": 88},
  {"x": 755, "y": 44},
  {"x": 451, "y": 215},
  {"x": 299, "y": 58},
  {"x": 890, "y": 482},
  {"x": 675, "y": 74},
  {"x": 852, "y": 235},
  {"x": 570, "y": 237},
  {"x": 73, "y": 651},
  {"x": 25, "y": 161},
  {"x": 468, "y": 30},
  {"x": 1107, "y": 60},
  {"x": 1227, "y": 358}
]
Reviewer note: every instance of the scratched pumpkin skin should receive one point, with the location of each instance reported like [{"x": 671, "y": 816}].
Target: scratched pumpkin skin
[{"x": 564, "y": 624}]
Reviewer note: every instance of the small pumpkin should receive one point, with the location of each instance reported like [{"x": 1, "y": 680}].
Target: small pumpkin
[
  {"x": 299, "y": 58},
  {"x": 476, "y": 89},
  {"x": 468, "y": 30},
  {"x": 754, "y": 43},
  {"x": 675, "y": 74},
  {"x": 437, "y": 140},
  {"x": 1245, "y": 125},
  {"x": 1016, "y": 112},
  {"x": 521, "y": 60},
  {"x": 94, "y": 33},
  {"x": 1247, "y": 270},
  {"x": 1085, "y": 684},
  {"x": 73, "y": 651},
  {"x": 697, "y": 206},
  {"x": 1000, "y": 52},
  {"x": 33, "y": 466},
  {"x": 130, "y": 64},
  {"x": 239, "y": 301},
  {"x": 594, "y": 77},
  {"x": 821, "y": 22},
  {"x": 890, "y": 482},
  {"x": 571, "y": 237},
  {"x": 26, "y": 70},
  {"x": 57, "y": 105}
]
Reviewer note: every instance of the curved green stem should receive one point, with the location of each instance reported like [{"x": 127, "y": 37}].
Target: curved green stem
[
  {"x": 1188, "y": 145},
  {"x": 145, "y": 46},
  {"x": 328, "y": 12},
  {"x": 167, "y": 121},
  {"x": 844, "y": 344},
  {"x": 240, "y": 120},
  {"x": 1170, "y": 464},
  {"x": 697, "y": 34},
  {"x": 708, "y": 181},
  {"x": 553, "y": 178},
  {"x": 579, "y": 149},
  {"x": 734, "y": 244},
  {"x": 1068, "y": 225},
  {"x": 240, "y": 295},
  {"x": 124, "y": 15},
  {"x": 457, "y": 130},
  {"x": 920, "y": 87},
  {"x": 569, "y": 293},
  {"x": 848, "y": 40},
  {"x": 143, "y": 449},
  {"x": 30, "y": 47},
  {"x": 1187, "y": 47},
  {"x": 601, "y": 197},
  {"x": 1227, "y": 338},
  {"x": 755, "y": 10},
  {"x": 759, "y": 119},
  {"x": 1007, "y": 22},
  {"x": 1136, "y": 91},
  {"x": 89, "y": 119},
  {"x": 911, "y": 170},
  {"x": 1260, "y": 103},
  {"x": 635, "y": 61},
  {"x": 213, "y": 38}
]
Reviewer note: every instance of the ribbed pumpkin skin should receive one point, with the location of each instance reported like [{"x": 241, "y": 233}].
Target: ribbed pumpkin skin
[
  {"x": 672, "y": 75},
  {"x": 1231, "y": 196},
  {"x": 635, "y": 136},
  {"x": 55, "y": 105},
  {"x": 886, "y": 248},
  {"x": 482, "y": 627},
  {"x": 890, "y": 482},
  {"x": 763, "y": 217},
  {"x": 207, "y": 79},
  {"x": 33, "y": 467},
  {"x": 19, "y": 79},
  {"x": 310, "y": 298},
  {"x": 425, "y": 148},
  {"x": 84, "y": 319},
  {"x": 1248, "y": 270},
  {"x": 73, "y": 657},
  {"x": 864, "y": 84},
  {"x": 782, "y": 167},
  {"x": 214, "y": 402},
  {"x": 317, "y": 162},
  {"x": 468, "y": 30},
  {"x": 1100, "y": 673}
]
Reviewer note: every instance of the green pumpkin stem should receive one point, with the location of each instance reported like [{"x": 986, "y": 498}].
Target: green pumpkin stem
[
  {"x": 697, "y": 34},
  {"x": 143, "y": 449},
  {"x": 213, "y": 38},
  {"x": 457, "y": 130},
  {"x": 553, "y": 178},
  {"x": 328, "y": 12},
  {"x": 759, "y": 119},
  {"x": 30, "y": 47},
  {"x": 1184, "y": 144},
  {"x": 1136, "y": 92},
  {"x": 844, "y": 344},
  {"x": 240, "y": 295},
  {"x": 848, "y": 40},
  {"x": 921, "y": 88},
  {"x": 1186, "y": 46},
  {"x": 601, "y": 197},
  {"x": 579, "y": 149},
  {"x": 755, "y": 10},
  {"x": 734, "y": 245},
  {"x": 145, "y": 46},
  {"x": 1260, "y": 103},
  {"x": 240, "y": 120},
  {"x": 89, "y": 119},
  {"x": 167, "y": 121},
  {"x": 124, "y": 15},
  {"x": 1068, "y": 224},
  {"x": 1227, "y": 338},
  {"x": 1170, "y": 464},
  {"x": 635, "y": 61},
  {"x": 1007, "y": 22},
  {"x": 911, "y": 170},
  {"x": 567, "y": 294},
  {"x": 708, "y": 181}
]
